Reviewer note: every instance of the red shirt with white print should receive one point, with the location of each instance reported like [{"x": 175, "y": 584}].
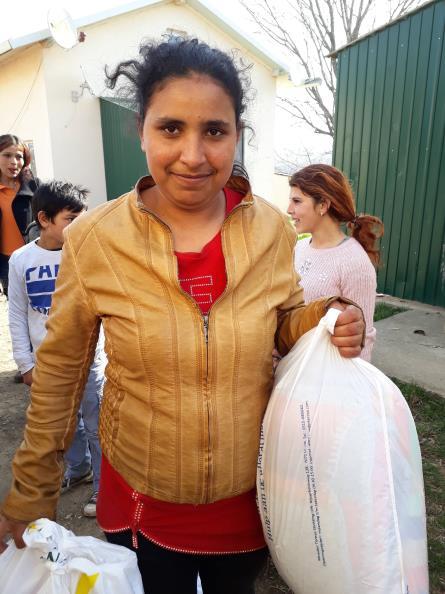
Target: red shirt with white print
[{"x": 227, "y": 526}]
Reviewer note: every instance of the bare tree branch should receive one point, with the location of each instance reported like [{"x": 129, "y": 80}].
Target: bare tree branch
[
  {"x": 297, "y": 111},
  {"x": 289, "y": 161},
  {"x": 309, "y": 30},
  {"x": 400, "y": 7},
  {"x": 361, "y": 15}
]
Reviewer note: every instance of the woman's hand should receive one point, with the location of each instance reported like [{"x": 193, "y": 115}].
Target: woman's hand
[
  {"x": 276, "y": 358},
  {"x": 15, "y": 529},
  {"x": 27, "y": 377},
  {"x": 348, "y": 331}
]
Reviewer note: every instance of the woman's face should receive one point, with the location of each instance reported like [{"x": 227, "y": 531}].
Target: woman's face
[
  {"x": 189, "y": 136},
  {"x": 303, "y": 210},
  {"x": 12, "y": 160}
]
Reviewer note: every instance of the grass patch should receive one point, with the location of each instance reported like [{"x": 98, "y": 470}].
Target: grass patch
[
  {"x": 428, "y": 410},
  {"x": 385, "y": 310}
]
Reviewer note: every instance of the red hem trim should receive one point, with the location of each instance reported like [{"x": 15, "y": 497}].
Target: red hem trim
[
  {"x": 179, "y": 549},
  {"x": 197, "y": 552}
]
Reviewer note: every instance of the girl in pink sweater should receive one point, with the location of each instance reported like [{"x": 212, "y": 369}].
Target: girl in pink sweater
[{"x": 331, "y": 262}]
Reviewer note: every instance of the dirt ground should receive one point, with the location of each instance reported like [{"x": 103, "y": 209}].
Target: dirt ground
[{"x": 14, "y": 399}]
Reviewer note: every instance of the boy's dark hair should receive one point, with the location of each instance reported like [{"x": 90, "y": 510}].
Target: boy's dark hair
[
  {"x": 54, "y": 196},
  {"x": 178, "y": 57}
]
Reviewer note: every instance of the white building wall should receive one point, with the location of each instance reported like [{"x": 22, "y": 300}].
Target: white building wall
[
  {"x": 67, "y": 134},
  {"x": 118, "y": 39},
  {"x": 23, "y": 104},
  {"x": 75, "y": 127},
  {"x": 280, "y": 191}
]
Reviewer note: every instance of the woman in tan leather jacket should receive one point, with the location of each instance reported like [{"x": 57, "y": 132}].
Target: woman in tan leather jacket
[{"x": 192, "y": 278}]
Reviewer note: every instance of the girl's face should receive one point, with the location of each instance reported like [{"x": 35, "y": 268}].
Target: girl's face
[
  {"x": 189, "y": 136},
  {"x": 11, "y": 162},
  {"x": 305, "y": 213}
]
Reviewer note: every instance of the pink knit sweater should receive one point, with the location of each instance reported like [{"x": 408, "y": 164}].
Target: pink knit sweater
[{"x": 345, "y": 270}]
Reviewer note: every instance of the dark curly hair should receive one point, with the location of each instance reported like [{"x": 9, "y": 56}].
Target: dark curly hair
[
  {"x": 179, "y": 57},
  {"x": 323, "y": 182}
]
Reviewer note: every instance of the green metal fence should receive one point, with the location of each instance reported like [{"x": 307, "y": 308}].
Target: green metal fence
[
  {"x": 124, "y": 160},
  {"x": 389, "y": 139}
]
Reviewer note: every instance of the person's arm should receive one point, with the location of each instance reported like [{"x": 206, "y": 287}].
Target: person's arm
[
  {"x": 295, "y": 318},
  {"x": 18, "y": 318},
  {"x": 62, "y": 364}
]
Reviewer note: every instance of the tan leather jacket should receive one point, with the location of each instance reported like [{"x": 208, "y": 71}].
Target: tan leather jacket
[{"x": 184, "y": 395}]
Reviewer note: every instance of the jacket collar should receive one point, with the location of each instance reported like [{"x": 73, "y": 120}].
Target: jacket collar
[
  {"x": 26, "y": 188},
  {"x": 236, "y": 182},
  {"x": 23, "y": 189}
]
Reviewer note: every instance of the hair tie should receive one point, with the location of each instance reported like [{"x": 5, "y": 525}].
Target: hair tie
[{"x": 354, "y": 221}]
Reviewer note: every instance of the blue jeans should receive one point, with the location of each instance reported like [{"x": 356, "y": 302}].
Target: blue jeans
[{"x": 84, "y": 452}]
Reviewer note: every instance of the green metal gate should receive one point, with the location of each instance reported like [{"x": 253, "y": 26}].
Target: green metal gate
[
  {"x": 124, "y": 160},
  {"x": 389, "y": 139}
]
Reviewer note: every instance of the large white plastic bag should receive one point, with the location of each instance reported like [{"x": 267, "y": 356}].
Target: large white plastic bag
[
  {"x": 340, "y": 483},
  {"x": 55, "y": 561}
]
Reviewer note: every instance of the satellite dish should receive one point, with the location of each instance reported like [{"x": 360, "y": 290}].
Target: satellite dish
[{"x": 61, "y": 27}]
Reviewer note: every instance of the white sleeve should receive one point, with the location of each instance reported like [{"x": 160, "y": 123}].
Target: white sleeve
[{"x": 18, "y": 318}]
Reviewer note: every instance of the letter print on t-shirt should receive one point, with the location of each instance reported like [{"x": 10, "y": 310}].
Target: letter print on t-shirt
[{"x": 40, "y": 284}]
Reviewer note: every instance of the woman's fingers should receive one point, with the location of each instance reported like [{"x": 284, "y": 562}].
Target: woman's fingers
[
  {"x": 17, "y": 530},
  {"x": 13, "y": 528},
  {"x": 4, "y": 531},
  {"x": 348, "y": 332},
  {"x": 349, "y": 352},
  {"x": 351, "y": 329}
]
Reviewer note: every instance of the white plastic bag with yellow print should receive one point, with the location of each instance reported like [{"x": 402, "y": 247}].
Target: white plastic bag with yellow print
[
  {"x": 55, "y": 561},
  {"x": 339, "y": 481}
]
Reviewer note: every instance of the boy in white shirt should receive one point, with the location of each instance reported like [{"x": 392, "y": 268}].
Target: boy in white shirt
[{"x": 33, "y": 271}]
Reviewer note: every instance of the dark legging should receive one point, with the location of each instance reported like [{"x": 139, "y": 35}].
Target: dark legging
[
  {"x": 4, "y": 266},
  {"x": 168, "y": 572}
]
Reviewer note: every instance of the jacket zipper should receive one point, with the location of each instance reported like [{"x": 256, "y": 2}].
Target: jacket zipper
[
  {"x": 205, "y": 319},
  {"x": 206, "y": 322},
  {"x": 205, "y": 326}
]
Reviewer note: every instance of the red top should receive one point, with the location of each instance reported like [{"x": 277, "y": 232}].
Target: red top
[{"x": 226, "y": 526}]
